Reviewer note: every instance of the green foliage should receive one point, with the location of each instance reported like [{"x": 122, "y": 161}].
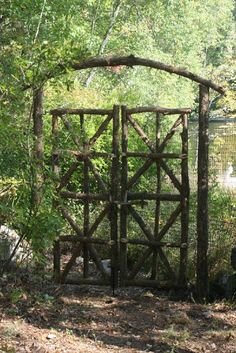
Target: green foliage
[
  {"x": 222, "y": 234},
  {"x": 16, "y": 295}
]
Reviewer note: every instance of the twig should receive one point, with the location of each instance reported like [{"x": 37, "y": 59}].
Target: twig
[
  {"x": 5, "y": 190},
  {"x": 40, "y": 21},
  {"x": 105, "y": 40}
]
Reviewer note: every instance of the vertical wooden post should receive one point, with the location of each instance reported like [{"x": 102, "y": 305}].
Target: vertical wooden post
[
  {"x": 184, "y": 205},
  {"x": 202, "y": 199},
  {"x": 57, "y": 261},
  {"x": 114, "y": 198},
  {"x": 38, "y": 147},
  {"x": 158, "y": 190},
  {"x": 55, "y": 156},
  {"x": 124, "y": 210},
  {"x": 86, "y": 201},
  {"x": 55, "y": 169},
  {"x": 86, "y": 217}
]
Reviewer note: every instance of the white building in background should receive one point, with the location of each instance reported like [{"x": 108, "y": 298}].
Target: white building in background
[{"x": 229, "y": 181}]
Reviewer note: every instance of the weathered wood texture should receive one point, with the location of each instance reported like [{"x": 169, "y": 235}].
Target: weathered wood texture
[
  {"x": 123, "y": 209},
  {"x": 55, "y": 156},
  {"x": 84, "y": 196},
  {"x": 152, "y": 237},
  {"x": 100, "y": 130},
  {"x": 131, "y": 61},
  {"x": 76, "y": 239},
  {"x": 155, "y": 243},
  {"x": 137, "y": 61},
  {"x": 84, "y": 240},
  {"x": 85, "y": 202},
  {"x": 202, "y": 207},
  {"x": 156, "y": 155},
  {"x": 55, "y": 169},
  {"x": 184, "y": 205},
  {"x": 158, "y": 202},
  {"x": 155, "y": 235},
  {"x": 161, "y": 110},
  {"x": 143, "y": 195},
  {"x": 57, "y": 261},
  {"x": 115, "y": 181},
  {"x": 65, "y": 111},
  {"x": 75, "y": 253}
]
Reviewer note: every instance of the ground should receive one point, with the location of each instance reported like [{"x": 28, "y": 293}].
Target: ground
[{"x": 39, "y": 317}]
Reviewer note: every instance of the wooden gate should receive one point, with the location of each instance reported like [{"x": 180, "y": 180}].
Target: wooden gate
[
  {"x": 101, "y": 204},
  {"x": 121, "y": 194},
  {"x": 151, "y": 259}
]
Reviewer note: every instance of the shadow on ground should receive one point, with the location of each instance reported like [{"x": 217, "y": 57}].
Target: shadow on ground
[{"x": 135, "y": 319}]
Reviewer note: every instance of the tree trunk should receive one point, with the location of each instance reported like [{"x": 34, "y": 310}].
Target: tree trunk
[{"x": 38, "y": 147}]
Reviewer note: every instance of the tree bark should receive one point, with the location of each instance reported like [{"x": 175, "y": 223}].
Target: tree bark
[
  {"x": 38, "y": 147},
  {"x": 134, "y": 61},
  {"x": 202, "y": 207},
  {"x": 131, "y": 61}
]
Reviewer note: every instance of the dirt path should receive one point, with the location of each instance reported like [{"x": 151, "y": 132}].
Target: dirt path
[{"x": 75, "y": 319}]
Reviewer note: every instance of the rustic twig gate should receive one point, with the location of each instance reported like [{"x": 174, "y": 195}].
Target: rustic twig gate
[
  {"x": 118, "y": 197},
  {"x": 202, "y": 279}
]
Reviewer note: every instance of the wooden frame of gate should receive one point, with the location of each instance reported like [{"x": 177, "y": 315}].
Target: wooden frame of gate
[
  {"x": 154, "y": 237},
  {"x": 84, "y": 239}
]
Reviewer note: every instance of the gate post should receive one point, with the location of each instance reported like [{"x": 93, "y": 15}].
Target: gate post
[
  {"x": 184, "y": 205},
  {"x": 202, "y": 198},
  {"x": 55, "y": 170},
  {"x": 57, "y": 261},
  {"x": 123, "y": 198},
  {"x": 114, "y": 198}
]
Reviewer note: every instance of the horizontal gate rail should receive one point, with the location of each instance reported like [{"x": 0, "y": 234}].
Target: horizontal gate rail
[
  {"x": 151, "y": 196},
  {"x": 154, "y": 243},
  {"x": 63, "y": 111},
  {"x": 163, "y": 111},
  {"x": 76, "y": 239},
  {"x": 155, "y": 155}
]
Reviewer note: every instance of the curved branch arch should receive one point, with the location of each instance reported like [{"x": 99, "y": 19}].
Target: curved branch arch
[{"x": 131, "y": 61}]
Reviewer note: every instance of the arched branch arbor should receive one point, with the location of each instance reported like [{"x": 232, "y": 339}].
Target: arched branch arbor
[{"x": 203, "y": 142}]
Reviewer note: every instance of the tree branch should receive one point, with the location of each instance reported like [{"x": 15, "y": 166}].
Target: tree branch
[
  {"x": 137, "y": 61},
  {"x": 131, "y": 61},
  {"x": 40, "y": 21},
  {"x": 105, "y": 40}
]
